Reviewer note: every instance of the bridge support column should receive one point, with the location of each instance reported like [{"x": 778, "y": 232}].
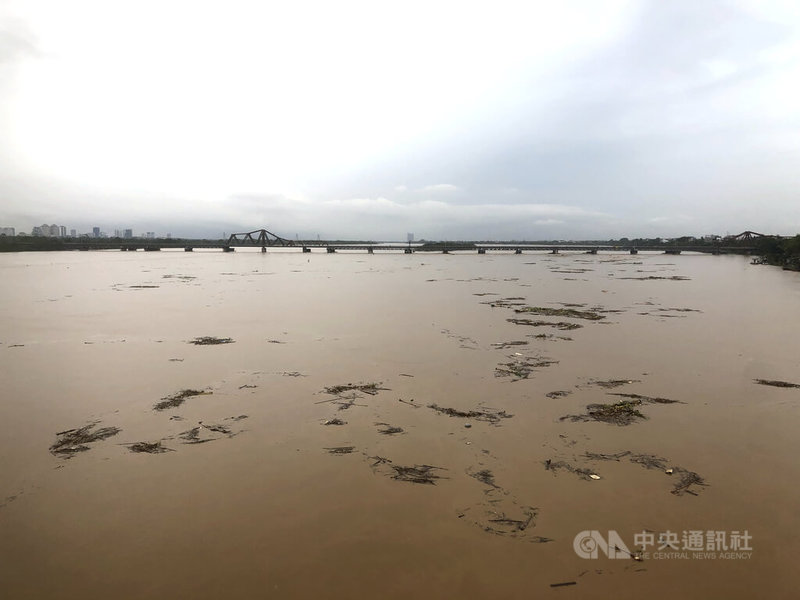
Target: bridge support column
[
  {"x": 672, "y": 251},
  {"x": 370, "y": 251},
  {"x": 331, "y": 250},
  {"x": 592, "y": 251},
  {"x": 481, "y": 250},
  {"x": 264, "y": 249},
  {"x": 518, "y": 251},
  {"x": 407, "y": 251},
  {"x": 227, "y": 249},
  {"x": 188, "y": 249},
  {"x": 306, "y": 249},
  {"x": 634, "y": 251},
  {"x": 554, "y": 251},
  {"x": 445, "y": 251}
]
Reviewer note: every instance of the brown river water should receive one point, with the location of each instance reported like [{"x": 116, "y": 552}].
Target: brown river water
[{"x": 249, "y": 501}]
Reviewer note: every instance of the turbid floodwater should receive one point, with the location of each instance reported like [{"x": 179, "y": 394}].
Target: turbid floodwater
[{"x": 285, "y": 425}]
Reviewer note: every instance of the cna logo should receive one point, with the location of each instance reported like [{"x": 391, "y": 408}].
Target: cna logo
[{"x": 589, "y": 544}]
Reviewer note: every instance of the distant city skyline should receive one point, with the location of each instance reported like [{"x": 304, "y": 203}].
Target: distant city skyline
[{"x": 523, "y": 120}]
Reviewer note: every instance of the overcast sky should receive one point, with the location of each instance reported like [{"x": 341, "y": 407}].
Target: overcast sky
[{"x": 349, "y": 119}]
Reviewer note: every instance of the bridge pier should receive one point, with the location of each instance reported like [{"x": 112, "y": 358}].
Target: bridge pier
[
  {"x": 306, "y": 249},
  {"x": 518, "y": 251},
  {"x": 227, "y": 249},
  {"x": 634, "y": 251},
  {"x": 188, "y": 249},
  {"x": 406, "y": 251},
  {"x": 481, "y": 250},
  {"x": 445, "y": 251},
  {"x": 554, "y": 251},
  {"x": 672, "y": 251},
  {"x": 370, "y": 251},
  {"x": 264, "y": 249},
  {"x": 331, "y": 250},
  {"x": 592, "y": 251}
]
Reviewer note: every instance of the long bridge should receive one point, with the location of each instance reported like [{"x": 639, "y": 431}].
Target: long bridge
[{"x": 266, "y": 239}]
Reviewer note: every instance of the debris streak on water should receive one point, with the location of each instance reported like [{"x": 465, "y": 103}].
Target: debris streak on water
[{"x": 672, "y": 404}]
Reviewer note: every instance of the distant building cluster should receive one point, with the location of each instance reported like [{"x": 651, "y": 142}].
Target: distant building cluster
[
  {"x": 49, "y": 231},
  {"x": 60, "y": 231}
]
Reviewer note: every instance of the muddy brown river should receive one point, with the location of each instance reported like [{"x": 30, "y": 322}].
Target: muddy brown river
[{"x": 397, "y": 426}]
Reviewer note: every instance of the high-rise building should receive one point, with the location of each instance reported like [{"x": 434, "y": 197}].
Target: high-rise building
[
  {"x": 128, "y": 234},
  {"x": 7, "y": 231},
  {"x": 36, "y": 230},
  {"x": 73, "y": 233},
  {"x": 150, "y": 235},
  {"x": 96, "y": 232},
  {"x": 62, "y": 231}
]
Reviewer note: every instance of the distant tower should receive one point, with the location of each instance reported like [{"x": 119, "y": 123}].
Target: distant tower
[{"x": 96, "y": 232}]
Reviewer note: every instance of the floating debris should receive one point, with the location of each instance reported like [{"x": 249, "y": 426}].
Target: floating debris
[
  {"x": 389, "y": 429},
  {"x": 247, "y": 386},
  {"x": 506, "y": 302},
  {"x": 562, "y": 325},
  {"x": 485, "y": 476},
  {"x": 614, "y": 383},
  {"x": 655, "y": 277},
  {"x": 341, "y": 450},
  {"x": 489, "y": 415},
  {"x": 204, "y": 433},
  {"x": 368, "y": 388},
  {"x": 143, "y": 287},
  {"x": 72, "y": 441},
  {"x": 175, "y": 400},
  {"x": 560, "y": 465},
  {"x": 521, "y": 368},
  {"x": 558, "y": 394},
  {"x": 210, "y": 341},
  {"x": 647, "y": 399},
  {"x": 148, "y": 447},
  {"x": 276, "y": 342},
  {"x": 774, "y": 383},
  {"x": 504, "y": 525},
  {"x": 570, "y": 313},
  {"x": 335, "y": 422},
  {"x": 687, "y": 479},
  {"x": 503, "y": 345},
  {"x": 423, "y": 474}
]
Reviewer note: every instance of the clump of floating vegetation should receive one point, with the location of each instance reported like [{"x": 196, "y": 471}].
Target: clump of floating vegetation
[
  {"x": 614, "y": 383},
  {"x": 774, "y": 383},
  {"x": 368, "y": 388},
  {"x": 423, "y": 474},
  {"x": 562, "y": 325},
  {"x": 149, "y": 447},
  {"x": 175, "y": 400},
  {"x": 521, "y": 368},
  {"x": 646, "y": 399},
  {"x": 484, "y": 414},
  {"x": 570, "y": 313},
  {"x": 485, "y": 476},
  {"x": 341, "y": 450},
  {"x": 72, "y": 441},
  {"x": 389, "y": 429},
  {"x": 619, "y": 413},
  {"x": 210, "y": 341}
]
